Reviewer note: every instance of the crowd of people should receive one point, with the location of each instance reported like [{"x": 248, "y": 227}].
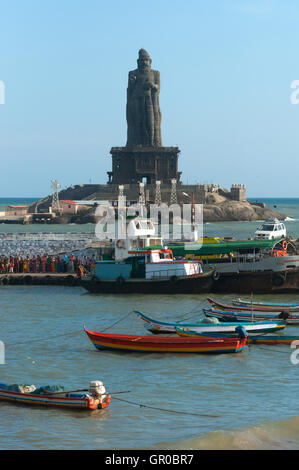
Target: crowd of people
[{"x": 47, "y": 264}]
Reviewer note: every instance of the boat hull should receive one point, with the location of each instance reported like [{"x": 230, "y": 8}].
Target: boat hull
[
  {"x": 53, "y": 401},
  {"x": 195, "y": 284},
  {"x": 247, "y": 316},
  {"x": 264, "y": 339},
  {"x": 256, "y": 312},
  {"x": 152, "y": 344},
  {"x": 265, "y": 305},
  {"x": 254, "y": 307},
  {"x": 156, "y": 326},
  {"x": 257, "y": 282},
  {"x": 255, "y": 339}
]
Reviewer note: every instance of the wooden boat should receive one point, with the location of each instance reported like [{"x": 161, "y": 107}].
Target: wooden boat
[
  {"x": 241, "y": 316},
  {"x": 167, "y": 344},
  {"x": 248, "y": 308},
  {"x": 264, "y": 339},
  {"x": 254, "y": 339},
  {"x": 156, "y": 326},
  {"x": 251, "y": 339},
  {"x": 43, "y": 397},
  {"x": 248, "y": 303},
  {"x": 257, "y": 282}
]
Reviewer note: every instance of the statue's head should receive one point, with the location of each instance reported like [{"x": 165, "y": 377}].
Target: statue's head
[{"x": 144, "y": 61}]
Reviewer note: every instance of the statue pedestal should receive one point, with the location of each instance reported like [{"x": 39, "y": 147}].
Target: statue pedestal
[{"x": 144, "y": 164}]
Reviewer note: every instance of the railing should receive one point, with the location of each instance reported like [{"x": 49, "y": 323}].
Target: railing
[{"x": 167, "y": 273}]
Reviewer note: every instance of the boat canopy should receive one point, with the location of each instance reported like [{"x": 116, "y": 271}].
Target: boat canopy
[{"x": 223, "y": 248}]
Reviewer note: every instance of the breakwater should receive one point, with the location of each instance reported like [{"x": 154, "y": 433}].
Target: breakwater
[{"x": 39, "y": 279}]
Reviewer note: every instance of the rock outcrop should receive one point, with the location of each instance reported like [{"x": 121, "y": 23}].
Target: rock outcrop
[{"x": 219, "y": 209}]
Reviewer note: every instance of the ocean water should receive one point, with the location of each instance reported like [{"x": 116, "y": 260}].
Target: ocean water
[
  {"x": 9, "y": 201},
  {"x": 251, "y": 396}
]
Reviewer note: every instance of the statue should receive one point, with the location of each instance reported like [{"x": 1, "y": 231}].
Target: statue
[
  {"x": 144, "y": 159},
  {"x": 143, "y": 110}
]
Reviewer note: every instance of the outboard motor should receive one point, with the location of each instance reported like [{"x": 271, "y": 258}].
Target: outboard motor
[
  {"x": 241, "y": 332},
  {"x": 97, "y": 390},
  {"x": 284, "y": 315}
]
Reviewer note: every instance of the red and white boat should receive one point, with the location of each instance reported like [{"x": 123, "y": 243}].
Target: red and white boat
[{"x": 167, "y": 344}]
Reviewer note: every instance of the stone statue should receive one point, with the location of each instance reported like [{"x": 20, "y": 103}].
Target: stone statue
[{"x": 143, "y": 110}]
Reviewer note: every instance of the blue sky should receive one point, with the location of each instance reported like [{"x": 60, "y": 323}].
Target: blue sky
[{"x": 226, "y": 72}]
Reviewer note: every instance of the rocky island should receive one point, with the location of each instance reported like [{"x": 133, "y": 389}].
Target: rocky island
[{"x": 218, "y": 204}]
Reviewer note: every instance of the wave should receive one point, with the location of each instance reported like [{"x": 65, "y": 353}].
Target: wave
[
  {"x": 275, "y": 435},
  {"x": 289, "y": 219}
]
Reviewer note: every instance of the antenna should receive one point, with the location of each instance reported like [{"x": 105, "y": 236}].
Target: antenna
[
  {"x": 173, "y": 195},
  {"x": 55, "y": 198},
  {"x": 158, "y": 199},
  {"x": 121, "y": 196},
  {"x": 141, "y": 194}
]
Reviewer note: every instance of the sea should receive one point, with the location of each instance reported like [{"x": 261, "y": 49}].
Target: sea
[{"x": 159, "y": 401}]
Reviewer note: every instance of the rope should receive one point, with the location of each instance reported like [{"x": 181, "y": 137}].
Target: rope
[
  {"x": 118, "y": 321},
  {"x": 188, "y": 318},
  {"x": 269, "y": 349},
  {"x": 166, "y": 410},
  {"x": 65, "y": 334},
  {"x": 193, "y": 311},
  {"x": 46, "y": 339}
]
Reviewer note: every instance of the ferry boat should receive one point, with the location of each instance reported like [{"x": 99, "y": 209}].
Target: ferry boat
[{"x": 248, "y": 266}]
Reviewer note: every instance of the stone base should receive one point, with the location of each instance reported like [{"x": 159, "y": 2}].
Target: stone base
[{"x": 132, "y": 165}]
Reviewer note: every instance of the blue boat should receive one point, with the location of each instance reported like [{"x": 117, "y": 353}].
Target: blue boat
[
  {"x": 226, "y": 315},
  {"x": 251, "y": 339},
  {"x": 248, "y": 303}
]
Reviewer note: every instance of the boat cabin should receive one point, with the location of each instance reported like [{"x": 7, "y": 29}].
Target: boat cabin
[
  {"x": 140, "y": 233},
  {"x": 148, "y": 264}
]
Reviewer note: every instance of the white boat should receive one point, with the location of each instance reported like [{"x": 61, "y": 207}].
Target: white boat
[{"x": 157, "y": 326}]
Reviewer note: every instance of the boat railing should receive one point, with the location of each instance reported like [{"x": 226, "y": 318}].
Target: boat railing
[{"x": 168, "y": 273}]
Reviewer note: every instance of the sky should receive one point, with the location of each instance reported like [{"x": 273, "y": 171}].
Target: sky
[{"x": 226, "y": 69}]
